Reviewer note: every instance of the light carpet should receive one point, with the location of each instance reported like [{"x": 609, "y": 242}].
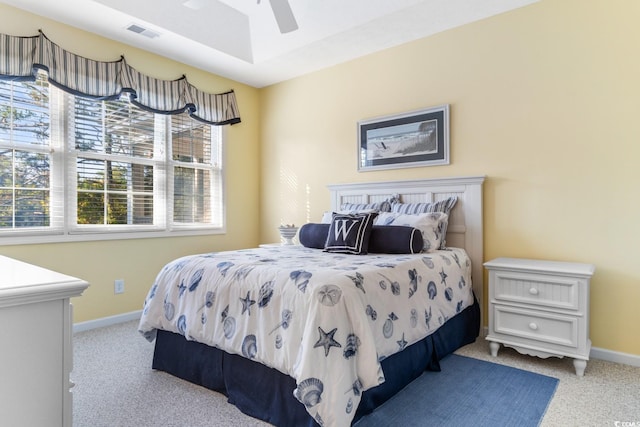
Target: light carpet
[{"x": 116, "y": 387}]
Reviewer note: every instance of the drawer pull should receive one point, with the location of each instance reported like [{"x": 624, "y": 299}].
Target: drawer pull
[
  {"x": 533, "y": 326},
  {"x": 533, "y": 291}
]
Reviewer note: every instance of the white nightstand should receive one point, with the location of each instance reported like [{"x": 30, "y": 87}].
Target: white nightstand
[{"x": 540, "y": 308}]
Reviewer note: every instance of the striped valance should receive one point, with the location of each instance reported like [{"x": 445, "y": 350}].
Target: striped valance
[{"x": 22, "y": 57}]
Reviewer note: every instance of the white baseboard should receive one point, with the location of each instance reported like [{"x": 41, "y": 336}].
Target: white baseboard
[
  {"x": 602, "y": 354},
  {"x": 106, "y": 321},
  {"x": 615, "y": 356}
]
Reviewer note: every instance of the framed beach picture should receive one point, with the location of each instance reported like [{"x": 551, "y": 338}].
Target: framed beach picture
[{"x": 415, "y": 138}]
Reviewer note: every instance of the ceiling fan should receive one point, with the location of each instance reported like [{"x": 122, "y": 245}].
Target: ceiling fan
[{"x": 284, "y": 15}]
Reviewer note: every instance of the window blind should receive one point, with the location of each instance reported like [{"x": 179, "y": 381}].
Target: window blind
[
  {"x": 197, "y": 173},
  {"x": 25, "y": 155},
  {"x": 114, "y": 163},
  {"x": 79, "y": 167}
]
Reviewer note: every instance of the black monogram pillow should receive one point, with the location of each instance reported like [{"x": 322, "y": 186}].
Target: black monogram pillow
[{"x": 350, "y": 233}]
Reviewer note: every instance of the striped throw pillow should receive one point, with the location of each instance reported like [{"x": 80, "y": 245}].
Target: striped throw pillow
[{"x": 416, "y": 208}]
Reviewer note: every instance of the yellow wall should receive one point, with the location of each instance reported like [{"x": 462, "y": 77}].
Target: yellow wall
[
  {"x": 545, "y": 101},
  {"x": 138, "y": 261}
]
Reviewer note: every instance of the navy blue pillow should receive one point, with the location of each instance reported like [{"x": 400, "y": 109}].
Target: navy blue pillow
[
  {"x": 384, "y": 239},
  {"x": 313, "y": 235},
  {"x": 350, "y": 233},
  {"x": 395, "y": 239}
]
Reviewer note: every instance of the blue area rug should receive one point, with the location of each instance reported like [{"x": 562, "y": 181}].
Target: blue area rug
[{"x": 468, "y": 392}]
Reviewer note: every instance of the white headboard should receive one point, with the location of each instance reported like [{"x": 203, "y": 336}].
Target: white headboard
[{"x": 465, "y": 221}]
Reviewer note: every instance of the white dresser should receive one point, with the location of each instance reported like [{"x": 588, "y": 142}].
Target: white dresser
[
  {"x": 540, "y": 308},
  {"x": 35, "y": 338}
]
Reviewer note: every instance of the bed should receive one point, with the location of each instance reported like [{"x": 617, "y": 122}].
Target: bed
[{"x": 297, "y": 336}]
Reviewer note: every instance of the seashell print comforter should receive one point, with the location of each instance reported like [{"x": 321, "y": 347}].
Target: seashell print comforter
[{"x": 324, "y": 319}]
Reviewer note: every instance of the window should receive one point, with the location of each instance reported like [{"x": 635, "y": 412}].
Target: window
[
  {"x": 79, "y": 168},
  {"x": 196, "y": 163},
  {"x": 25, "y": 158}
]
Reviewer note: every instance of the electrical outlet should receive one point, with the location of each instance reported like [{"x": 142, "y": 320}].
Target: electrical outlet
[{"x": 118, "y": 286}]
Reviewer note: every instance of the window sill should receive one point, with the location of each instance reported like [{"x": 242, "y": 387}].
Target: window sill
[{"x": 110, "y": 235}]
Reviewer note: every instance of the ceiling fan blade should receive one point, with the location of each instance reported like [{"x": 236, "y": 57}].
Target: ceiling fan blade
[{"x": 284, "y": 15}]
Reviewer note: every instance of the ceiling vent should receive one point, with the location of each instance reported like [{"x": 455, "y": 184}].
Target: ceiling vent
[{"x": 138, "y": 29}]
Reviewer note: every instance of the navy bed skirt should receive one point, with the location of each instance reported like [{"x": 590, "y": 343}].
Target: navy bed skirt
[{"x": 267, "y": 394}]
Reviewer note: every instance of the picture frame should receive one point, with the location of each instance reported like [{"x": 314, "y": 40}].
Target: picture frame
[{"x": 412, "y": 139}]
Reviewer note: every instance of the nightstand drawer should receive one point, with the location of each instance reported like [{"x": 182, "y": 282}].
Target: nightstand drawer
[
  {"x": 539, "y": 289},
  {"x": 533, "y": 325}
]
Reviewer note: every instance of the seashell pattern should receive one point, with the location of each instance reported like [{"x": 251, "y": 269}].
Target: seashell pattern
[
  {"x": 152, "y": 291},
  {"x": 228, "y": 323},
  {"x": 414, "y": 278},
  {"x": 181, "y": 324},
  {"x": 432, "y": 290},
  {"x": 402, "y": 343},
  {"x": 229, "y": 327},
  {"x": 179, "y": 265},
  {"x": 224, "y": 267},
  {"x": 209, "y": 299},
  {"x": 278, "y": 341},
  {"x": 286, "y": 320},
  {"x": 373, "y": 315},
  {"x": 446, "y": 259},
  {"x": 169, "y": 310},
  {"x": 356, "y": 388},
  {"x": 428, "y": 262},
  {"x": 349, "y": 407},
  {"x": 265, "y": 294},
  {"x": 387, "y": 328},
  {"x": 427, "y": 317},
  {"x": 442, "y": 317},
  {"x": 301, "y": 279},
  {"x": 351, "y": 346},
  {"x": 242, "y": 272},
  {"x": 329, "y": 295},
  {"x": 462, "y": 283},
  {"x": 309, "y": 392},
  {"x": 358, "y": 280},
  {"x": 413, "y": 320},
  {"x": 385, "y": 265},
  {"x": 394, "y": 285},
  {"x": 456, "y": 259},
  {"x": 448, "y": 294},
  {"x": 249, "y": 346},
  {"x": 195, "y": 280},
  {"x": 395, "y": 288}
]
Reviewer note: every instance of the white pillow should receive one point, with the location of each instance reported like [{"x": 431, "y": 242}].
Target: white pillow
[{"x": 433, "y": 226}]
